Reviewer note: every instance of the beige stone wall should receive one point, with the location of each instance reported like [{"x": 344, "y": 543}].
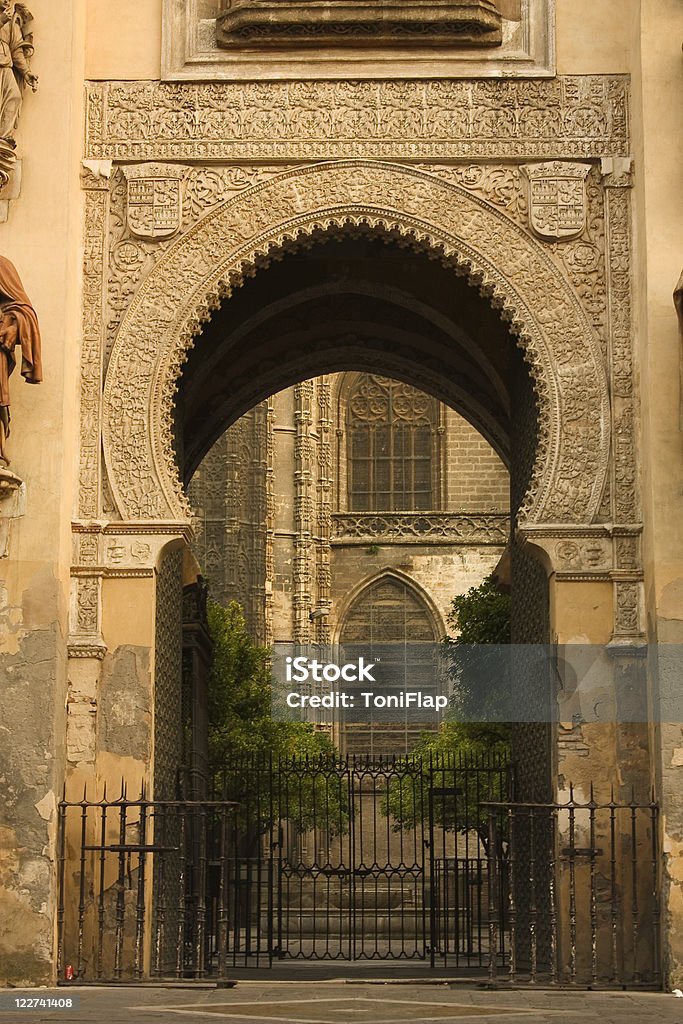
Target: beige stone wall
[
  {"x": 42, "y": 238},
  {"x": 123, "y": 39},
  {"x": 658, "y": 90},
  {"x": 476, "y": 479}
]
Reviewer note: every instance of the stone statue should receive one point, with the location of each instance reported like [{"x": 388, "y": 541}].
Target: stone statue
[
  {"x": 16, "y": 49},
  {"x": 18, "y": 327},
  {"x": 678, "y": 300}
]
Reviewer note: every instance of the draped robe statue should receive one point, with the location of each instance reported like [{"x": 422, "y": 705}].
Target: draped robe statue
[{"x": 18, "y": 330}]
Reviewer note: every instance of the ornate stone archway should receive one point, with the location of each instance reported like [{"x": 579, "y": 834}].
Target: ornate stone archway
[{"x": 511, "y": 270}]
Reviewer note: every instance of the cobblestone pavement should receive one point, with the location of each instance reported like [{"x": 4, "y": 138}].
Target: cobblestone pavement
[{"x": 337, "y": 1002}]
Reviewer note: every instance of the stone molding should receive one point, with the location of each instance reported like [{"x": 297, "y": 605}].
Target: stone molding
[
  {"x": 510, "y": 269},
  {"x": 190, "y": 52},
  {"x": 276, "y": 24},
  {"x": 420, "y": 528},
  {"x": 570, "y": 117}
]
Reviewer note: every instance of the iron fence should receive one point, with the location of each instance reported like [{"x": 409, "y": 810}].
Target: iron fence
[
  {"x": 404, "y": 860},
  {"x": 580, "y": 882}
]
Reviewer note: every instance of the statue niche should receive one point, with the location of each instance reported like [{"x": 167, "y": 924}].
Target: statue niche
[{"x": 280, "y": 24}]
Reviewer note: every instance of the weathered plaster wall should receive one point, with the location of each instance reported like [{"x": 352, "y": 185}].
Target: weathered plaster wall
[{"x": 42, "y": 237}]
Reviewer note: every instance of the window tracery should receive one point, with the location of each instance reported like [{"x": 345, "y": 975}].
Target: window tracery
[
  {"x": 393, "y": 624},
  {"x": 390, "y": 445}
]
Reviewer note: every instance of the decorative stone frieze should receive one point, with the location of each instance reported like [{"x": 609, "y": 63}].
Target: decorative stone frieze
[
  {"x": 625, "y": 485},
  {"x": 569, "y": 117},
  {"x": 420, "y": 528},
  {"x": 95, "y": 177}
]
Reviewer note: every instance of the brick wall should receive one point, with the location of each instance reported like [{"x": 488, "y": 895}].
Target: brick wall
[{"x": 475, "y": 477}]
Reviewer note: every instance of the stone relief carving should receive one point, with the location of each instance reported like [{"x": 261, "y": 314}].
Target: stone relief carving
[
  {"x": 583, "y": 259},
  {"x": 16, "y": 50},
  {"x": 154, "y": 200},
  {"x": 94, "y": 249},
  {"x": 557, "y": 199},
  {"x": 350, "y": 23},
  {"x": 572, "y": 116},
  {"x": 626, "y": 508},
  {"x": 19, "y": 332},
  {"x": 419, "y": 528},
  {"x": 130, "y": 258},
  {"x": 567, "y": 368}
]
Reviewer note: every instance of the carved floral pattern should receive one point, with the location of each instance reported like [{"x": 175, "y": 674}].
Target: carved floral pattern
[
  {"x": 514, "y": 272},
  {"x": 439, "y": 527},
  {"x": 578, "y": 116}
]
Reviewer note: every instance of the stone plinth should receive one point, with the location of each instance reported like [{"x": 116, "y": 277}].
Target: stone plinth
[{"x": 377, "y": 23}]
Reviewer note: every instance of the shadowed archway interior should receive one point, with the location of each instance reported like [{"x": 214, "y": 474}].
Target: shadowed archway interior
[{"x": 355, "y": 301}]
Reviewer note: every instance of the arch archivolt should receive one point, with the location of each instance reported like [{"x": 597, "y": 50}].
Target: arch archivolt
[{"x": 511, "y": 270}]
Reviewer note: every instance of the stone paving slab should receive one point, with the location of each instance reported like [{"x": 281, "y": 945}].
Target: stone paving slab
[{"x": 335, "y": 1002}]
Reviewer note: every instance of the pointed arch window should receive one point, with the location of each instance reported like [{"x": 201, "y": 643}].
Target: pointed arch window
[
  {"x": 391, "y": 429},
  {"x": 390, "y": 622}
]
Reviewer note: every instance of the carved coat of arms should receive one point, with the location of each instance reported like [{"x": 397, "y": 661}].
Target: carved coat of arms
[
  {"x": 155, "y": 200},
  {"x": 557, "y": 199}
]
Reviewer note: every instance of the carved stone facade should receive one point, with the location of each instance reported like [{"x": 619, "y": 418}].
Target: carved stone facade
[
  {"x": 523, "y": 199},
  {"x": 565, "y": 297}
]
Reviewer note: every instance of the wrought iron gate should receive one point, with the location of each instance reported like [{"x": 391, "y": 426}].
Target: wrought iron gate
[
  {"x": 361, "y": 860},
  {"x": 356, "y": 860}
]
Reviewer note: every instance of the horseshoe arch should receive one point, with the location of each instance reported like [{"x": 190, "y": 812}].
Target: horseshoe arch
[{"x": 511, "y": 270}]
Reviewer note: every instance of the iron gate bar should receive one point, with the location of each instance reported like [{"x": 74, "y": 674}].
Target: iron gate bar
[
  {"x": 327, "y": 859},
  {"x": 352, "y": 881}
]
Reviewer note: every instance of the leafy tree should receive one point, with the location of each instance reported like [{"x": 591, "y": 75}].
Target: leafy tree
[
  {"x": 245, "y": 741},
  {"x": 481, "y": 616},
  {"x": 464, "y": 755},
  {"x": 476, "y": 667}
]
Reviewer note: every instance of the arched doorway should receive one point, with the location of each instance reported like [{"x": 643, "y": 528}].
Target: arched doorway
[{"x": 374, "y": 269}]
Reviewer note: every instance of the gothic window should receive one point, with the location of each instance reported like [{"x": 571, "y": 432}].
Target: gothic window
[
  {"x": 389, "y": 611},
  {"x": 389, "y": 622},
  {"x": 390, "y": 443}
]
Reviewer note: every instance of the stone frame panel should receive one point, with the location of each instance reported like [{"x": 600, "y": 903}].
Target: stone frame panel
[{"x": 190, "y": 53}]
